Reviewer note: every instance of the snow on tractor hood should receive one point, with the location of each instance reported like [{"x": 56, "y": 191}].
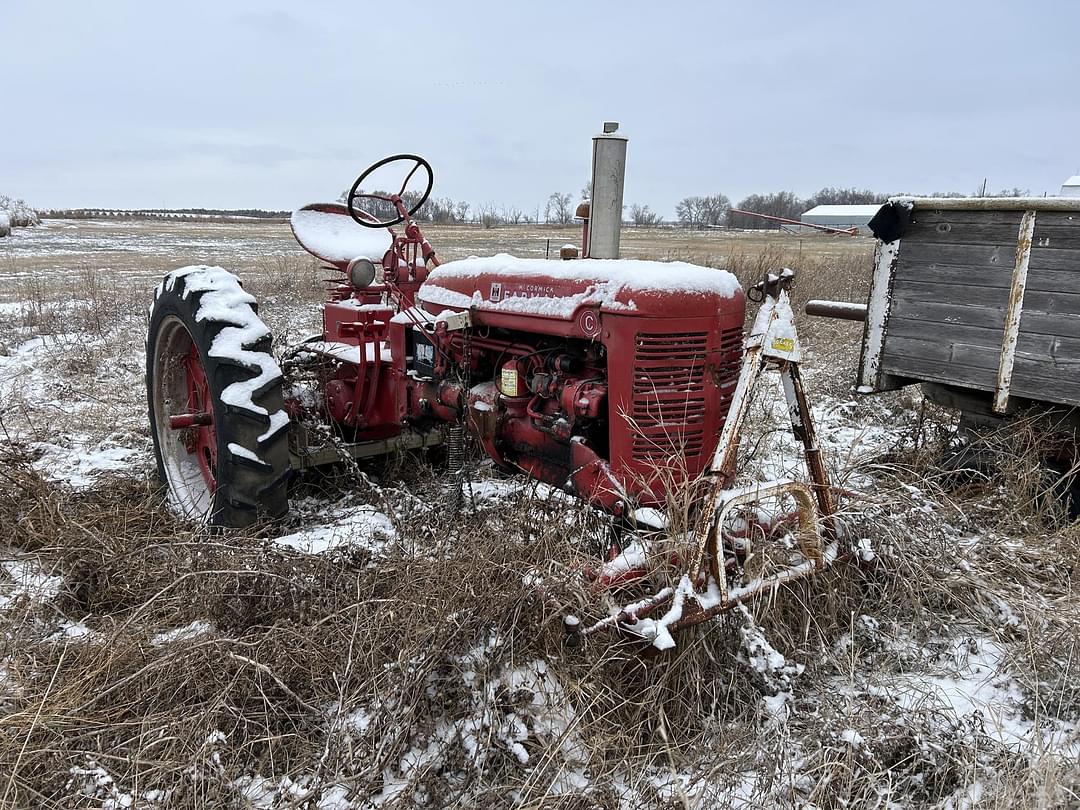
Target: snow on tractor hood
[{"x": 555, "y": 288}]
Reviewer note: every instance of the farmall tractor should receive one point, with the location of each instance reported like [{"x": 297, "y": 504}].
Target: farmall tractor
[{"x": 622, "y": 382}]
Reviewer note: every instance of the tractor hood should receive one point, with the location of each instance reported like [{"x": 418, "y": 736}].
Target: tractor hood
[{"x": 556, "y": 289}]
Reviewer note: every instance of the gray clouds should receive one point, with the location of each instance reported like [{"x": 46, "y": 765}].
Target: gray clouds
[{"x": 276, "y": 104}]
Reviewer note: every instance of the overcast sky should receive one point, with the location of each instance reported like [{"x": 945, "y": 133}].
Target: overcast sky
[{"x": 272, "y": 104}]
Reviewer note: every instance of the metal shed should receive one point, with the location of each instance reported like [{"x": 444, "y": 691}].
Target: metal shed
[
  {"x": 841, "y": 216},
  {"x": 1071, "y": 187}
]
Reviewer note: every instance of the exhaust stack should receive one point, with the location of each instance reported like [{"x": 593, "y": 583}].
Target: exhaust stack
[{"x": 608, "y": 174}]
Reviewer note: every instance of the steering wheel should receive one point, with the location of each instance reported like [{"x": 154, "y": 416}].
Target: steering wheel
[{"x": 366, "y": 219}]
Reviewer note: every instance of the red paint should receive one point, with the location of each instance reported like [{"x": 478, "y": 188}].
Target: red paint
[
  {"x": 615, "y": 401},
  {"x": 201, "y": 439}
]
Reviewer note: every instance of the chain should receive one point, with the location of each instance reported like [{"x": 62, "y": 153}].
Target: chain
[{"x": 463, "y": 474}]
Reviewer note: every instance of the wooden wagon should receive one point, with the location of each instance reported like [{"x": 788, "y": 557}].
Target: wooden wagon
[{"x": 977, "y": 299}]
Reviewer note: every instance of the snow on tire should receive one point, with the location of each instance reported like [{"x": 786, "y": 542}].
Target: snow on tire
[{"x": 214, "y": 394}]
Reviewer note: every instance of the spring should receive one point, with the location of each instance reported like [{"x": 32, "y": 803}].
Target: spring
[{"x": 455, "y": 447}]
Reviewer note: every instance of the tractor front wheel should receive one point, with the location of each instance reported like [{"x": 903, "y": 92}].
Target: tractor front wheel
[{"x": 215, "y": 402}]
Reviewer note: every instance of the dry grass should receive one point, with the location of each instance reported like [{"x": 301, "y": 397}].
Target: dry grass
[
  {"x": 424, "y": 637},
  {"x": 352, "y": 669}
]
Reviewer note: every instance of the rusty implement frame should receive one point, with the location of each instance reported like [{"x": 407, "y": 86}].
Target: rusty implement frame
[{"x": 704, "y": 591}]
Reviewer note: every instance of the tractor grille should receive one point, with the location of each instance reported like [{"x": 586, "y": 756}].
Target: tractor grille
[
  {"x": 669, "y": 396},
  {"x": 668, "y": 410},
  {"x": 731, "y": 342}
]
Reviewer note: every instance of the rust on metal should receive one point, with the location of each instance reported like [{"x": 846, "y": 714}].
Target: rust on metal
[
  {"x": 705, "y": 590},
  {"x": 188, "y": 420},
  {"x": 842, "y": 310},
  {"x": 1013, "y": 311}
]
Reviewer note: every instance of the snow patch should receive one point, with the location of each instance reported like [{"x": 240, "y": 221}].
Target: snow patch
[
  {"x": 239, "y": 451},
  {"x": 26, "y": 580},
  {"x": 363, "y": 526},
  {"x": 81, "y": 463},
  {"x": 980, "y": 687},
  {"x": 186, "y": 633}
]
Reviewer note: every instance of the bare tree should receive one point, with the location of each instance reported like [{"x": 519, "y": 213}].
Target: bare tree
[
  {"x": 642, "y": 215},
  {"x": 558, "y": 210},
  {"x": 688, "y": 210},
  {"x": 714, "y": 209},
  {"x": 845, "y": 196},
  {"x": 700, "y": 212},
  {"x": 512, "y": 215},
  {"x": 488, "y": 215}
]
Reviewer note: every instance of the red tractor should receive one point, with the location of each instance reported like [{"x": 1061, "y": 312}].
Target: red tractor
[{"x": 611, "y": 379}]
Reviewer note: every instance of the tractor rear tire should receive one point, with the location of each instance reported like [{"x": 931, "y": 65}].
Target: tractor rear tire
[{"x": 221, "y": 434}]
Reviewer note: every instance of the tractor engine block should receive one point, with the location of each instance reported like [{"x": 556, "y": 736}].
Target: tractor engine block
[{"x": 608, "y": 378}]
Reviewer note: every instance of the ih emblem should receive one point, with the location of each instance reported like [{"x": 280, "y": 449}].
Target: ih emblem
[{"x": 496, "y": 292}]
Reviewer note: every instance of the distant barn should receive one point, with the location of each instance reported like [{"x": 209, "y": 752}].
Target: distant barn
[
  {"x": 841, "y": 216},
  {"x": 1071, "y": 187}
]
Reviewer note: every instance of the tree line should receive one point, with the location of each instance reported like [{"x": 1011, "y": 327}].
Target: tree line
[
  {"x": 717, "y": 211},
  {"x": 704, "y": 211}
]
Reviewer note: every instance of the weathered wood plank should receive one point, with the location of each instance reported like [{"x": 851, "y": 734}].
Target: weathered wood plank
[
  {"x": 1057, "y": 302},
  {"x": 1041, "y": 278},
  {"x": 962, "y": 255},
  {"x": 1039, "y": 204},
  {"x": 917, "y": 370},
  {"x": 926, "y": 216},
  {"x": 1051, "y": 348},
  {"x": 1058, "y": 348},
  {"x": 1038, "y": 278},
  {"x": 1057, "y": 220},
  {"x": 956, "y": 274},
  {"x": 990, "y": 337},
  {"x": 963, "y": 233},
  {"x": 936, "y": 312},
  {"x": 1040, "y": 323},
  {"x": 1033, "y": 322},
  {"x": 1051, "y": 381},
  {"x": 1053, "y": 258},
  {"x": 965, "y": 295},
  {"x": 970, "y": 364},
  {"x": 963, "y": 355},
  {"x": 1051, "y": 302},
  {"x": 958, "y": 363},
  {"x": 1056, "y": 238}
]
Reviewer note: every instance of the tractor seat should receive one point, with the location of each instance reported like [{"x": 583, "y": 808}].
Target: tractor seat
[{"x": 326, "y": 231}]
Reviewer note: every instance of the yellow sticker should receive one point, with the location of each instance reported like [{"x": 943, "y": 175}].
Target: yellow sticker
[
  {"x": 783, "y": 344},
  {"x": 508, "y": 382}
]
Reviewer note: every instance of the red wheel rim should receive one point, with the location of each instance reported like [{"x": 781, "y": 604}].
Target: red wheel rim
[{"x": 202, "y": 437}]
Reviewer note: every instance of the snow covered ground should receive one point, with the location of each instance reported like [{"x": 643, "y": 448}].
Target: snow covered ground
[{"x": 923, "y": 682}]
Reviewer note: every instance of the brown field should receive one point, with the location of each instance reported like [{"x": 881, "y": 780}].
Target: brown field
[{"x": 145, "y": 662}]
